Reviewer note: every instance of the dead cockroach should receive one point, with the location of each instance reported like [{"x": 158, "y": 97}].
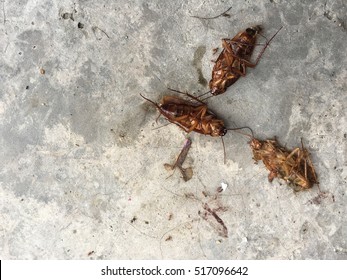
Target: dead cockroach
[
  {"x": 235, "y": 58},
  {"x": 191, "y": 116},
  {"x": 295, "y": 167},
  {"x": 187, "y": 173}
]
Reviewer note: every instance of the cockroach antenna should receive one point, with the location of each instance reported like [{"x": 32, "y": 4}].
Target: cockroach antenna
[
  {"x": 196, "y": 98},
  {"x": 155, "y": 104},
  {"x": 243, "y": 133},
  {"x": 204, "y": 93},
  {"x": 266, "y": 44},
  {"x": 236, "y": 130}
]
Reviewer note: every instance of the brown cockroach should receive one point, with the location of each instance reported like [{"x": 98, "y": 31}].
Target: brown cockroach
[
  {"x": 295, "y": 166},
  {"x": 235, "y": 57},
  {"x": 187, "y": 173},
  {"x": 190, "y": 116}
]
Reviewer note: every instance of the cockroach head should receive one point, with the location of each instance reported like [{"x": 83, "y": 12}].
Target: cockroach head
[
  {"x": 254, "y": 30},
  {"x": 218, "y": 130},
  {"x": 255, "y": 144}
]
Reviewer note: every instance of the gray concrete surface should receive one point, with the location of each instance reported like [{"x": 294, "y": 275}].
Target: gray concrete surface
[{"x": 81, "y": 170}]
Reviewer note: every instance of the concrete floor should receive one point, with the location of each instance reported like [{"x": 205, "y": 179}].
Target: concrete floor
[{"x": 81, "y": 170}]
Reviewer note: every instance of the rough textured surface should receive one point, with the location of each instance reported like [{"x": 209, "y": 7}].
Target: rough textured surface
[{"x": 82, "y": 168}]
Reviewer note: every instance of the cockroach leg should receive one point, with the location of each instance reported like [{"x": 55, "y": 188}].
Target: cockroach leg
[
  {"x": 186, "y": 173},
  {"x": 310, "y": 164},
  {"x": 189, "y": 95},
  {"x": 169, "y": 167},
  {"x": 252, "y": 65},
  {"x": 263, "y": 50},
  {"x": 156, "y": 120},
  {"x": 183, "y": 154},
  {"x": 245, "y": 134},
  {"x": 204, "y": 94},
  {"x": 160, "y": 126}
]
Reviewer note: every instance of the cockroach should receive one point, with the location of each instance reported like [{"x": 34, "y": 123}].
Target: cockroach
[
  {"x": 187, "y": 173},
  {"x": 191, "y": 116},
  {"x": 235, "y": 57},
  {"x": 295, "y": 166}
]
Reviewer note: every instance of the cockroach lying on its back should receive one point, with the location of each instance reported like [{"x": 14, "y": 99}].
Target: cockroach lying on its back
[
  {"x": 191, "y": 116},
  {"x": 295, "y": 167},
  {"x": 235, "y": 58}
]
